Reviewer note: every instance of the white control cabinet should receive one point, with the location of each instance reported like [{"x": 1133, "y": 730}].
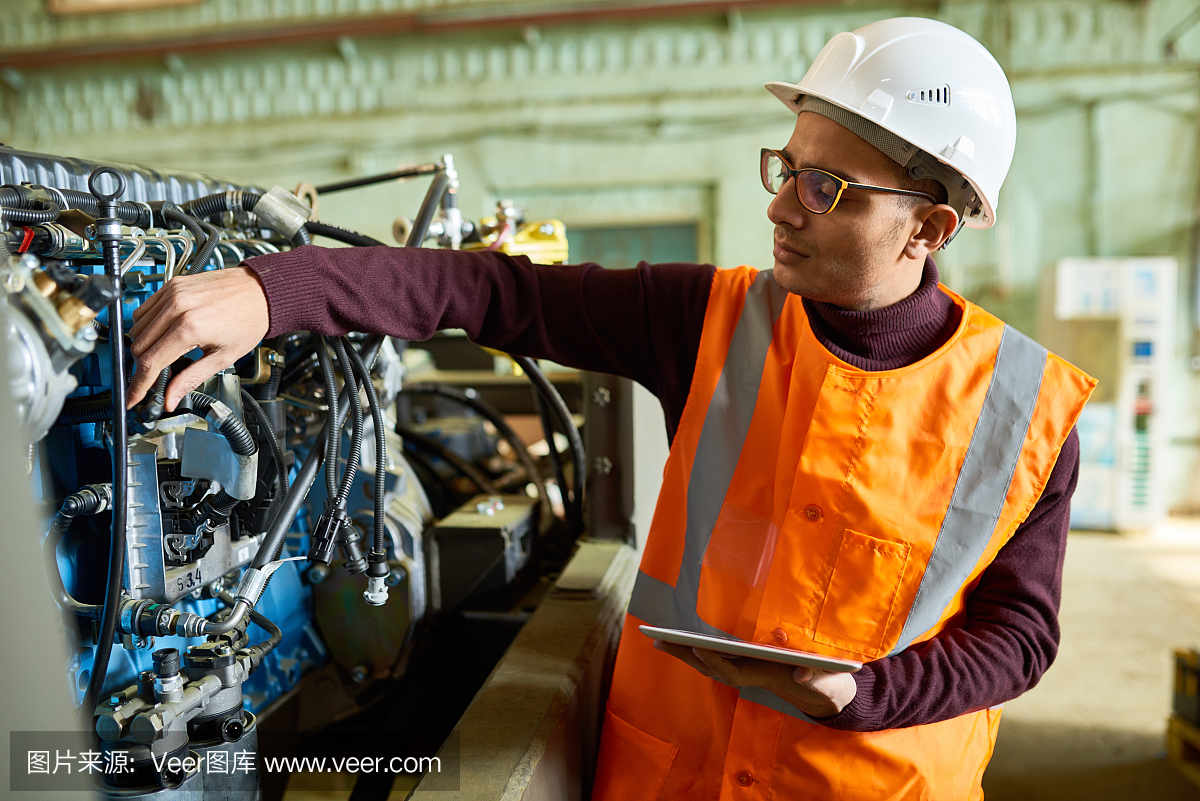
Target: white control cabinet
[{"x": 1124, "y": 313}]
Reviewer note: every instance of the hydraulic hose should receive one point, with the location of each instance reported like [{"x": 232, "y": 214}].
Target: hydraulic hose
[
  {"x": 431, "y": 445},
  {"x": 548, "y": 430},
  {"x": 341, "y": 234},
  {"x": 379, "y": 542},
  {"x": 493, "y": 416},
  {"x": 108, "y": 231},
  {"x": 29, "y": 216},
  {"x": 27, "y": 197},
  {"x": 230, "y": 426},
  {"x": 272, "y": 442},
  {"x": 274, "y": 635},
  {"x": 398, "y": 175},
  {"x": 333, "y": 435},
  {"x": 92, "y": 409},
  {"x": 273, "y": 542},
  {"x": 301, "y": 237},
  {"x": 429, "y": 207},
  {"x": 559, "y": 407},
  {"x": 200, "y": 259},
  {"x": 356, "y": 424},
  {"x": 89, "y": 500},
  {"x": 220, "y": 202}
]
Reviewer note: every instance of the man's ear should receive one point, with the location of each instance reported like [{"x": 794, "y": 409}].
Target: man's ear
[{"x": 934, "y": 225}]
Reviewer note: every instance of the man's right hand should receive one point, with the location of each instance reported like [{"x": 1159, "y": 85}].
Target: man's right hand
[{"x": 223, "y": 313}]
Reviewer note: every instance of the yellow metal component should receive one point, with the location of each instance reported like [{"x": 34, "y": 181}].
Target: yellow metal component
[
  {"x": 543, "y": 242},
  {"x": 264, "y": 359},
  {"x": 75, "y": 315},
  {"x": 44, "y": 283}
]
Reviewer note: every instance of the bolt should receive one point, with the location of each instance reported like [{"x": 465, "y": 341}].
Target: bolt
[
  {"x": 146, "y": 728},
  {"x": 14, "y": 283},
  {"x": 318, "y": 573},
  {"x": 359, "y": 674},
  {"x": 602, "y": 465},
  {"x": 394, "y": 577},
  {"x": 602, "y": 397},
  {"x": 547, "y": 229},
  {"x": 224, "y": 650}
]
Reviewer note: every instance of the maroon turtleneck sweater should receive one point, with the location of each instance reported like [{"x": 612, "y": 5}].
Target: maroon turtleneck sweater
[{"x": 645, "y": 324}]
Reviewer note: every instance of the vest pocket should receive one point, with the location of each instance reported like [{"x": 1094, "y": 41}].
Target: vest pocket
[
  {"x": 633, "y": 764},
  {"x": 863, "y": 590}
]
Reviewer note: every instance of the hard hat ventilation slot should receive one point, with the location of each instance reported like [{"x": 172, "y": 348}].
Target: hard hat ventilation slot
[{"x": 933, "y": 95}]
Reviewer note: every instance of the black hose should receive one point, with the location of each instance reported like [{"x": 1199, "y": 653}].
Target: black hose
[
  {"x": 29, "y": 216},
  {"x": 300, "y": 366},
  {"x": 301, "y": 237},
  {"x": 272, "y": 543},
  {"x": 559, "y": 407},
  {"x": 333, "y": 434},
  {"x": 110, "y": 243},
  {"x": 341, "y": 234},
  {"x": 158, "y": 396},
  {"x": 555, "y": 457},
  {"x": 356, "y": 424},
  {"x": 270, "y": 390},
  {"x": 92, "y": 409},
  {"x": 25, "y": 197},
  {"x": 209, "y": 205},
  {"x": 172, "y": 213},
  {"x": 232, "y": 427},
  {"x": 493, "y": 416},
  {"x": 269, "y": 434},
  {"x": 431, "y": 445},
  {"x": 429, "y": 207},
  {"x": 421, "y": 461},
  {"x": 204, "y": 252},
  {"x": 407, "y": 172},
  {"x": 84, "y": 502},
  {"x": 364, "y": 375},
  {"x": 573, "y": 434}
]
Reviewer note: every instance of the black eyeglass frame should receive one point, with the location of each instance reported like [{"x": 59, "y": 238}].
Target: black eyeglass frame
[{"x": 794, "y": 175}]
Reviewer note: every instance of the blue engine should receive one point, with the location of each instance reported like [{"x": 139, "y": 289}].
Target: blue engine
[{"x": 220, "y": 615}]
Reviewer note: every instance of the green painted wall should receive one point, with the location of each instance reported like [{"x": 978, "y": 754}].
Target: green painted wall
[{"x": 641, "y": 122}]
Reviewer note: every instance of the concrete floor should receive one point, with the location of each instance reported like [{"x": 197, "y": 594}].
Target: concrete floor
[{"x": 1094, "y": 727}]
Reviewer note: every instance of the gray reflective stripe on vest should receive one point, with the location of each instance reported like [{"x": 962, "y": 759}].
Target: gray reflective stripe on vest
[
  {"x": 726, "y": 423},
  {"x": 983, "y": 480}
]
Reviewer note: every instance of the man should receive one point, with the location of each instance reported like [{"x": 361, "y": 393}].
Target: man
[{"x": 863, "y": 464}]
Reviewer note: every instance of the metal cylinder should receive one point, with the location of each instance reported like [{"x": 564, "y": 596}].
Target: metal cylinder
[{"x": 234, "y": 784}]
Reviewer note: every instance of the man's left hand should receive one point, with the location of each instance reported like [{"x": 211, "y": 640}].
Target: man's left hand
[{"x": 817, "y": 693}]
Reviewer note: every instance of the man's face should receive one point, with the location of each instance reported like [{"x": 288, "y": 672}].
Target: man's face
[{"x": 852, "y": 256}]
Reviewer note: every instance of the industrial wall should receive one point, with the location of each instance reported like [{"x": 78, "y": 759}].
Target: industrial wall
[{"x": 612, "y": 113}]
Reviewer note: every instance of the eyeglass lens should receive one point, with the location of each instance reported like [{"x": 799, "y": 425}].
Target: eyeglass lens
[{"x": 816, "y": 190}]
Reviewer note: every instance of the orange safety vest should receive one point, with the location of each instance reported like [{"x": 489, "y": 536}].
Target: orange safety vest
[{"x": 850, "y": 513}]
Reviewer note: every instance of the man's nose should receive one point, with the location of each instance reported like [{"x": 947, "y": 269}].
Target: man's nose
[{"x": 785, "y": 207}]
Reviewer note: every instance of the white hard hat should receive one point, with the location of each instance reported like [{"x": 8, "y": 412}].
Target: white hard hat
[{"x": 932, "y": 86}]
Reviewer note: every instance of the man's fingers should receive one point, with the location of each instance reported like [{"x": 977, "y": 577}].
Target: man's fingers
[
  {"x": 684, "y": 654},
  {"x": 193, "y": 376}
]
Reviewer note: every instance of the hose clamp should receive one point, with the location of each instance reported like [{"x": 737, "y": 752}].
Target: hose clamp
[{"x": 281, "y": 210}]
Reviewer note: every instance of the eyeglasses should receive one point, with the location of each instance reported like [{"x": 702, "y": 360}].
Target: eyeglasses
[{"x": 817, "y": 190}]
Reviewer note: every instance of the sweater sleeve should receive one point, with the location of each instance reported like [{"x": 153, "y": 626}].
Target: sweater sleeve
[
  {"x": 642, "y": 324},
  {"x": 1008, "y": 639}
]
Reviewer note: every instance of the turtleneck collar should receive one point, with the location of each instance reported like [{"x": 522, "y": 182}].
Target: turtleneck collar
[{"x": 892, "y": 337}]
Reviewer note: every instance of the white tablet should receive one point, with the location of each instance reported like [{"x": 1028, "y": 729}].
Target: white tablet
[{"x": 743, "y": 648}]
